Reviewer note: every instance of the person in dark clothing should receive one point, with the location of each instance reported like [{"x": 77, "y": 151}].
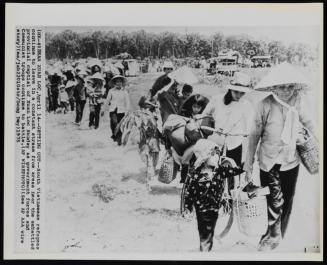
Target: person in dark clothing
[
  {"x": 95, "y": 93},
  {"x": 125, "y": 64},
  {"x": 80, "y": 96},
  {"x": 163, "y": 80},
  {"x": 187, "y": 91},
  {"x": 169, "y": 101},
  {"x": 194, "y": 105},
  {"x": 54, "y": 88},
  {"x": 69, "y": 86},
  {"x": 205, "y": 196},
  {"x": 95, "y": 69},
  {"x": 108, "y": 76}
]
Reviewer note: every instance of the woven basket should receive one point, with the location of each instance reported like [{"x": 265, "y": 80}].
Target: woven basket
[
  {"x": 309, "y": 154},
  {"x": 168, "y": 170},
  {"x": 251, "y": 215}
]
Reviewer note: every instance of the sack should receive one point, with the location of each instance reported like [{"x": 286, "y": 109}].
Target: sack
[
  {"x": 192, "y": 128},
  {"x": 192, "y": 131},
  {"x": 174, "y": 128},
  {"x": 308, "y": 151},
  {"x": 168, "y": 170},
  {"x": 173, "y": 122},
  {"x": 206, "y": 121},
  {"x": 178, "y": 140},
  {"x": 251, "y": 214}
]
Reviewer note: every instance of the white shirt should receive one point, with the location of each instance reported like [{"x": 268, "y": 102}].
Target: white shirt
[
  {"x": 234, "y": 118},
  {"x": 118, "y": 98}
]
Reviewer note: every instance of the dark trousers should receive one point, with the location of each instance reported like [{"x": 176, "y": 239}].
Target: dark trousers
[
  {"x": 236, "y": 155},
  {"x": 79, "y": 110},
  {"x": 206, "y": 226},
  {"x": 115, "y": 118},
  {"x": 94, "y": 115},
  {"x": 55, "y": 104},
  {"x": 282, "y": 186},
  {"x": 71, "y": 103},
  {"x": 64, "y": 105}
]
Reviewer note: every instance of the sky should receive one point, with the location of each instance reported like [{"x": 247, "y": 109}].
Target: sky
[{"x": 287, "y": 34}]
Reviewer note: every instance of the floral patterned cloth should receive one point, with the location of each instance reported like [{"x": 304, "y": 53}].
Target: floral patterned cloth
[
  {"x": 204, "y": 188},
  {"x": 203, "y": 193}
]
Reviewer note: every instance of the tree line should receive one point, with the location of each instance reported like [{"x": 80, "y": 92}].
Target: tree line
[{"x": 105, "y": 44}]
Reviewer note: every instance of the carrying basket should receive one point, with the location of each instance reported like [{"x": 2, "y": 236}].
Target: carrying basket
[
  {"x": 168, "y": 170},
  {"x": 251, "y": 214},
  {"x": 309, "y": 153}
]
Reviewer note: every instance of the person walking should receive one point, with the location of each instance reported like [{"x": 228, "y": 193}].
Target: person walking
[
  {"x": 63, "y": 99},
  {"x": 278, "y": 120},
  {"x": 80, "y": 95},
  {"x": 55, "y": 82},
  {"x": 70, "y": 85},
  {"x": 187, "y": 91},
  {"x": 95, "y": 93},
  {"x": 162, "y": 80},
  {"x": 191, "y": 108},
  {"x": 118, "y": 103},
  {"x": 232, "y": 114}
]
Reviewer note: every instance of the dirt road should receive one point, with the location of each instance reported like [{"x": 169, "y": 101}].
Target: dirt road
[{"x": 134, "y": 220}]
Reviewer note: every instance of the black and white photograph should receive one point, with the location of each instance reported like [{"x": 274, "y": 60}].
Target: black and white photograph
[{"x": 176, "y": 139}]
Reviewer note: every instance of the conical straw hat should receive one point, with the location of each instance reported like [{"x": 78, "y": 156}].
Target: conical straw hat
[
  {"x": 184, "y": 75},
  {"x": 282, "y": 74},
  {"x": 123, "y": 78},
  {"x": 241, "y": 82},
  {"x": 97, "y": 75}
]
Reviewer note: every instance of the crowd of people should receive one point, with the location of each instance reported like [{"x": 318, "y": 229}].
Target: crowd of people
[{"x": 273, "y": 126}]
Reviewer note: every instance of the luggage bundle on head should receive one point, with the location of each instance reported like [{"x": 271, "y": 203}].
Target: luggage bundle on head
[
  {"x": 192, "y": 129},
  {"x": 174, "y": 128},
  {"x": 183, "y": 132}
]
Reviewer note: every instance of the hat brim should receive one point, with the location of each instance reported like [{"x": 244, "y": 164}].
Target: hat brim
[
  {"x": 282, "y": 74},
  {"x": 243, "y": 89},
  {"x": 113, "y": 80},
  {"x": 298, "y": 86}
]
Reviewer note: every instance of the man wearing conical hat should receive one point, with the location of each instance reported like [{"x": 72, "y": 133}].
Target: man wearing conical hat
[
  {"x": 95, "y": 92},
  {"x": 162, "y": 80},
  {"x": 277, "y": 124},
  {"x": 80, "y": 95}
]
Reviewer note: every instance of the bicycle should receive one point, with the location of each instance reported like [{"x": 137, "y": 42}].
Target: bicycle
[{"x": 225, "y": 213}]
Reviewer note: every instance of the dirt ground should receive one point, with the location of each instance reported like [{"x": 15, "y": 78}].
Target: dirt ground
[{"x": 127, "y": 218}]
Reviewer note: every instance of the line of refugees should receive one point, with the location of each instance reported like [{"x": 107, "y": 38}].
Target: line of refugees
[
  {"x": 274, "y": 128},
  {"x": 81, "y": 85},
  {"x": 271, "y": 127}
]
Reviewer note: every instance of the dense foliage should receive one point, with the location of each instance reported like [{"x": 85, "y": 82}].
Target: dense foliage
[{"x": 104, "y": 44}]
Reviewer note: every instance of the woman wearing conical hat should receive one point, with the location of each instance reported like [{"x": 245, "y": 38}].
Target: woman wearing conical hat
[
  {"x": 118, "y": 103},
  {"x": 232, "y": 114},
  {"x": 278, "y": 118}
]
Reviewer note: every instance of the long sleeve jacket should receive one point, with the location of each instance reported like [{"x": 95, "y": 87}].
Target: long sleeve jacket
[
  {"x": 234, "y": 118},
  {"x": 267, "y": 128},
  {"x": 118, "y": 99}
]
